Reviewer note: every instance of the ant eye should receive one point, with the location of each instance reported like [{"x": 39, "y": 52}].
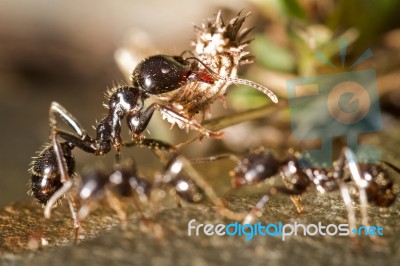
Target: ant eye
[{"x": 159, "y": 74}]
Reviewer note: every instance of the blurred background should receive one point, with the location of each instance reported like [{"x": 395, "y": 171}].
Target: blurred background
[{"x": 64, "y": 51}]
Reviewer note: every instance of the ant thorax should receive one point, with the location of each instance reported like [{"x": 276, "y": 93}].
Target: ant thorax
[{"x": 221, "y": 47}]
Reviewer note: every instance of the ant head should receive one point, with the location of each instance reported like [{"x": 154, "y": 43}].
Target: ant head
[
  {"x": 162, "y": 73},
  {"x": 255, "y": 167}
]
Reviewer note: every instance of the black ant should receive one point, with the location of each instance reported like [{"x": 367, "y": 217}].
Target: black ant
[
  {"x": 372, "y": 181},
  {"x": 156, "y": 75},
  {"x": 122, "y": 182},
  {"x": 219, "y": 51},
  {"x": 125, "y": 182}
]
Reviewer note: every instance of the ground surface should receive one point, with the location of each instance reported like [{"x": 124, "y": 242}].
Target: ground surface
[{"x": 104, "y": 241}]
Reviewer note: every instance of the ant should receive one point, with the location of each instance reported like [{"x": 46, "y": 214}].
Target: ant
[
  {"x": 373, "y": 183},
  {"x": 156, "y": 75},
  {"x": 125, "y": 182},
  {"x": 219, "y": 50},
  {"x": 122, "y": 182}
]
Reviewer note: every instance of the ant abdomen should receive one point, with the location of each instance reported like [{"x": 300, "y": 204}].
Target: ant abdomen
[
  {"x": 380, "y": 189},
  {"x": 255, "y": 167},
  {"x": 187, "y": 190},
  {"x": 45, "y": 179}
]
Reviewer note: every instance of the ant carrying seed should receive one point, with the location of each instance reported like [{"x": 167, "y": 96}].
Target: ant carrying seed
[
  {"x": 372, "y": 181},
  {"x": 190, "y": 85},
  {"x": 185, "y": 87},
  {"x": 182, "y": 88}
]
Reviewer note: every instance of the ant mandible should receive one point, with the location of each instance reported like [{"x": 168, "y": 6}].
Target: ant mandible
[{"x": 373, "y": 183}]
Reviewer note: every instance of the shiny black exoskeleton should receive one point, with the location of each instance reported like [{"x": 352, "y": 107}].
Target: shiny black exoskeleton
[
  {"x": 45, "y": 179},
  {"x": 154, "y": 75},
  {"x": 125, "y": 182},
  {"x": 261, "y": 164},
  {"x": 372, "y": 182},
  {"x": 380, "y": 189},
  {"x": 187, "y": 190},
  {"x": 162, "y": 73},
  {"x": 211, "y": 69},
  {"x": 122, "y": 182}
]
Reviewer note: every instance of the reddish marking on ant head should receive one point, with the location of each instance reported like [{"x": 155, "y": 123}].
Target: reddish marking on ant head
[{"x": 201, "y": 76}]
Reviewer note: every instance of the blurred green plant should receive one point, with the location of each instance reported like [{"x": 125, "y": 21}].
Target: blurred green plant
[{"x": 296, "y": 30}]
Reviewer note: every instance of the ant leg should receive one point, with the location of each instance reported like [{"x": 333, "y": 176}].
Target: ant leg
[
  {"x": 55, "y": 197},
  {"x": 179, "y": 163},
  {"x": 214, "y": 158},
  {"x": 152, "y": 144},
  {"x": 139, "y": 121},
  {"x": 74, "y": 215},
  {"x": 296, "y": 199},
  {"x": 64, "y": 178},
  {"x": 156, "y": 146},
  {"x": 85, "y": 209},
  {"x": 83, "y": 140},
  {"x": 230, "y": 120},
  {"x": 57, "y": 110},
  {"x": 351, "y": 217},
  {"x": 155, "y": 228},
  {"x": 115, "y": 204},
  {"x": 62, "y": 167},
  {"x": 392, "y": 166},
  {"x": 339, "y": 173},
  {"x": 87, "y": 144},
  {"x": 360, "y": 183},
  {"x": 257, "y": 210},
  {"x": 187, "y": 142},
  {"x": 139, "y": 208},
  {"x": 178, "y": 201},
  {"x": 62, "y": 164}
]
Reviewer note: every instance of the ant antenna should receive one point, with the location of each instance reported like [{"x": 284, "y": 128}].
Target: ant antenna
[
  {"x": 246, "y": 82},
  {"x": 394, "y": 167}
]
